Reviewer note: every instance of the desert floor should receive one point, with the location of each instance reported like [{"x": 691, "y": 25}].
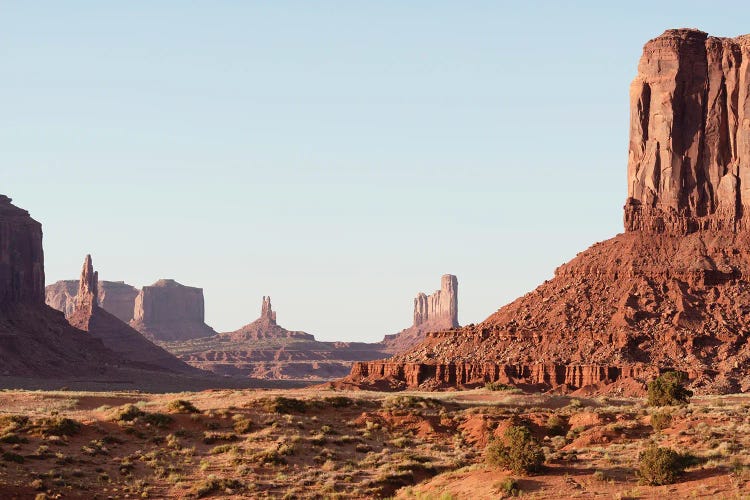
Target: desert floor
[{"x": 308, "y": 443}]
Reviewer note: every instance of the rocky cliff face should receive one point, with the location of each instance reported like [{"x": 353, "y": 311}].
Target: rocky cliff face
[
  {"x": 168, "y": 310},
  {"x": 432, "y": 313},
  {"x": 689, "y": 155},
  {"x": 115, "y": 297},
  {"x": 670, "y": 293},
  {"x": 21, "y": 255}
]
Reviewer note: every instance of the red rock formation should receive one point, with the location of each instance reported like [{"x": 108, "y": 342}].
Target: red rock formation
[
  {"x": 115, "y": 297},
  {"x": 265, "y": 327},
  {"x": 114, "y": 334},
  {"x": 689, "y": 160},
  {"x": 432, "y": 313},
  {"x": 21, "y": 255},
  {"x": 168, "y": 310},
  {"x": 670, "y": 293}
]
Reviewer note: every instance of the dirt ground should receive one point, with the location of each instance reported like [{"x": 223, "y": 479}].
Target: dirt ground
[{"x": 310, "y": 443}]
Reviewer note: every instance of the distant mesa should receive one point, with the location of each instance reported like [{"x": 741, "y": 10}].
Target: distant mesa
[
  {"x": 168, "y": 310},
  {"x": 115, "y": 297},
  {"x": 432, "y": 313}
]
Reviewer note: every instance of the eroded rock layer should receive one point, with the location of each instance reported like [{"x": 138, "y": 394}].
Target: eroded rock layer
[{"x": 672, "y": 292}]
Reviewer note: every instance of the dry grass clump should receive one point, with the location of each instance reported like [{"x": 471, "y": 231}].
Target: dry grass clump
[
  {"x": 215, "y": 485},
  {"x": 181, "y": 406},
  {"x": 283, "y": 405}
]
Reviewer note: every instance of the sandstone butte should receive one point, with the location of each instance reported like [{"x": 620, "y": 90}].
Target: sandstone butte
[
  {"x": 168, "y": 310},
  {"x": 671, "y": 292}
]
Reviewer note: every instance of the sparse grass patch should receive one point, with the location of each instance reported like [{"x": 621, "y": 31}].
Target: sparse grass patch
[{"x": 182, "y": 406}]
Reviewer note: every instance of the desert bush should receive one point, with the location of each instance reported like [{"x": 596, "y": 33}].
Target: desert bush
[
  {"x": 659, "y": 466},
  {"x": 338, "y": 401},
  {"x": 159, "y": 420},
  {"x": 409, "y": 402},
  {"x": 242, "y": 425},
  {"x": 661, "y": 420},
  {"x": 214, "y": 437},
  {"x": 128, "y": 413},
  {"x": 12, "y": 438},
  {"x": 283, "y": 405},
  {"x": 498, "y": 386},
  {"x": 509, "y": 487},
  {"x": 555, "y": 426},
  {"x": 10, "y": 423},
  {"x": 668, "y": 389},
  {"x": 520, "y": 451},
  {"x": 215, "y": 485},
  {"x": 9, "y": 456},
  {"x": 182, "y": 406},
  {"x": 57, "y": 426}
]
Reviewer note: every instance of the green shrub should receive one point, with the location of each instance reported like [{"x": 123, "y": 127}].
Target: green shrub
[
  {"x": 242, "y": 425},
  {"x": 57, "y": 426},
  {"x": 668, "y": 389},
  {"x": 509, "y": 487},
  {"x": 128, "y": 413},
  {"x": 498, "y": 386},
  {"x": 12, "y": 457},
  {"x": 214, "y": 485},
  {"x": 661, "y": 420},
  {"x": 555, "y": 426},
  {"x": 410, "y": 402},
  {"x": 520, "y": 451},
  {"x": 282, "y": 405},
  {"x": 659, "y": 466},
  {"x": 182, "y": 406},
  {"x": 159, "y": 420}
]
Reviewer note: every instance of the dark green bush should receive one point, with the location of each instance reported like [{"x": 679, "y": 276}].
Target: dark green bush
[
  {"x": 13, "y": 457},
  {"x": 659, "y": 466},
  {"x": 509, "y": 487},
  {"x": 58, "y": 426},
  {"x": 519, "y": 451},
  {"x": 128, "y": 413},
  {"x": 661, "y": 420},
  {"x": 555, "y": 426},
  {"x": 159, "y": 420},
  {"x": 668, "y": 389},
  {"x": 213, "y": 485}
]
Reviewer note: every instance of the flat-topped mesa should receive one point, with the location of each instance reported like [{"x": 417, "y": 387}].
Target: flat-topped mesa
[
  {"x": 168, "y": 310},
  {"x": 266, "y": 313},
  {"x": 439, "y": 310},
  {"x": 21, "y": 255},
  {"x": 689, "y": 154}
]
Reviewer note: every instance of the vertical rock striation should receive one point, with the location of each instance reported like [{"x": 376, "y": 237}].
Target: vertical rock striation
[
  {"x": 438, "y": 311},
  {"x": 689, "y": 154}
]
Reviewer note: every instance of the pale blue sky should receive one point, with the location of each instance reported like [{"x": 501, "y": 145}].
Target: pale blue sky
[{"x": 338, "y": 156}]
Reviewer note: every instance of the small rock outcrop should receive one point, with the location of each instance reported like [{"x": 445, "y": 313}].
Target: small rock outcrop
[
  {"x": 114, "y": 334},
  {"x": 689, "y": 155},
  {"x": 265, "y": 327},
  {"x": 168, "y": 310},
  {"x": 115, "y": 297},
  {"x": 432, "y": 313},
  {"x": 21, "y": 255}
]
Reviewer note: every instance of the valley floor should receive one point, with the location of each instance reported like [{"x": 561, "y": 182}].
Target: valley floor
[{"x": 310, "y": 443}]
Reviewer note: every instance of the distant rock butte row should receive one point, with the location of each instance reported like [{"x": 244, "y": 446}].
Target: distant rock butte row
[
  {"x": 671, "y": 292},
  {"x": 264, "y": 349}
]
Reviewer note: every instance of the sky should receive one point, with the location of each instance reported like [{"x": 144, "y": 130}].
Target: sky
[{"x": 339, "y": 156}]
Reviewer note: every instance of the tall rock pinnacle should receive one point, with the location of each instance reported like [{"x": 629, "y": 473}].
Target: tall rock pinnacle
[
  {"x": 266, "y": 313},
  {"x": 689, "y": 153},
  {"x": 88, "y": 287}
]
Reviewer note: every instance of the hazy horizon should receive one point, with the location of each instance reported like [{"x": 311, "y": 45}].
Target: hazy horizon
[{"x": 338, "y": 156}]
